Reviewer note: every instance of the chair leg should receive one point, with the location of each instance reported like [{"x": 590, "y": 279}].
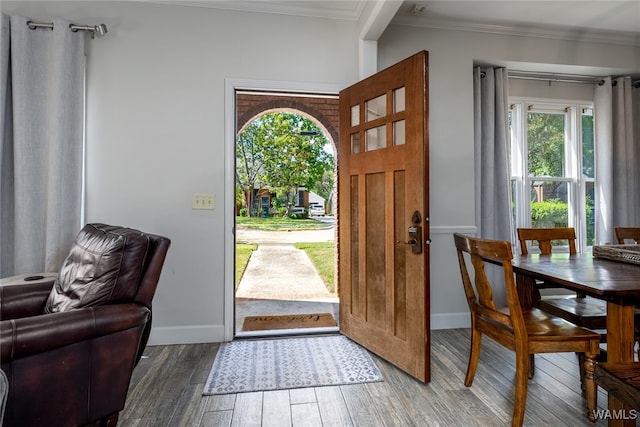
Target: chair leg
[
  {"x": 581, "y": 364},
  {"x": 474, "y": 356},
  {"x": 523, "y": 361},
  {"x": 590, "y": 385},
  {"x": 532, "y": 365}
]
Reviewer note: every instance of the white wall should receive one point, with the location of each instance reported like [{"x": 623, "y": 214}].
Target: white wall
[
  {"x": 452, "y": 55},
  {"x": 156, "y": 127}
]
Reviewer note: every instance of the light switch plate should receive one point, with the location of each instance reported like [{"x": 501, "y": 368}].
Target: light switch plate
[{"x": 203, "y": 201}]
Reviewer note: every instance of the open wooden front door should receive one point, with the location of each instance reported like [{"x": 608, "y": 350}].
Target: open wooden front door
[{"x": 383, "y": 215}]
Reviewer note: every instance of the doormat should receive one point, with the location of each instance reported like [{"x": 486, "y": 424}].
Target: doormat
[
  {"x": 290, "y": 321},
  {"x": 287, "y": 363}
]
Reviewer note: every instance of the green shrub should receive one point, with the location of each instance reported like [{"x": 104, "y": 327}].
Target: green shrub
[{"x": 550, "y": 213}]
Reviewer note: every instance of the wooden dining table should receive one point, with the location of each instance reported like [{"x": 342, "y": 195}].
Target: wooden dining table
[{"x": 616, "y": 282}]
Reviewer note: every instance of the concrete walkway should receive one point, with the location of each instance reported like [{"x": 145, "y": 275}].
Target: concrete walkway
[
  {"x": 280, "y": 279},
  {"x": 280, "y": 271}
]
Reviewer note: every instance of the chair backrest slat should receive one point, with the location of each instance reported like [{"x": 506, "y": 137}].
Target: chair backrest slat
[
  {"x": 627, "y": 233},
  {"x": 545, "y": 236}
]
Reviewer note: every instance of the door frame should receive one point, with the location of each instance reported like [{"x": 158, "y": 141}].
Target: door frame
[{"x": 231, "y": 85}]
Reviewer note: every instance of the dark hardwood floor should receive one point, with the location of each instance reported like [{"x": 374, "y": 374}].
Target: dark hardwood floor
[{"x": 166, "y": 390}]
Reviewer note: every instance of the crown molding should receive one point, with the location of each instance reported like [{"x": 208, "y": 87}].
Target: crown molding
[
  {"x": 349, "y": 10},
  {"x": 545, "y": 32}
]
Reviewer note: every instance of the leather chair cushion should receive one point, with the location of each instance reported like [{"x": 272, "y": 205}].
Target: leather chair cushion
[{"x": 104, "y": 266}]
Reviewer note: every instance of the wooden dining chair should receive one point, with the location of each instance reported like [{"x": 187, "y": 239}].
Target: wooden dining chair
[
  {"x": 627, "y": 233},
  {"x": 526, "y": 331},
  {"x": 576, "y": 308}
]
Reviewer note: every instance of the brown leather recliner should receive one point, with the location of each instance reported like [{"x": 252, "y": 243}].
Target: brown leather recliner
[{"x": 69, "y": 346}]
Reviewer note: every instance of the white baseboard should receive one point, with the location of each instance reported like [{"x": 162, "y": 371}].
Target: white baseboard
[
  {"x": 450, "y": 321},
  {"x": 170, "y": 335},
  {"x": 186, "y": 334}
]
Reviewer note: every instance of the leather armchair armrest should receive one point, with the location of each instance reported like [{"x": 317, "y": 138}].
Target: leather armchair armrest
[
  {"x": 33, "y": 335},
  {"x": 24, "y": 300}
]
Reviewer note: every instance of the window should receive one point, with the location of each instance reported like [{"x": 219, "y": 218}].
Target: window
[{"x": 552, "y": 166}]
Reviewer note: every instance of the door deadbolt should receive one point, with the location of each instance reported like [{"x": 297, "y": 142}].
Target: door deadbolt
[{"x": 415, "y": 239}]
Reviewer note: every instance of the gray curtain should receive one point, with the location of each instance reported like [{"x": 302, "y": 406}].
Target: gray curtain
[
  {"x": 491, "y": 149},
  {"x": 491, "y": 143},
  {"x": 41, "y": 123},
  {"x": 617, "y": 128}
]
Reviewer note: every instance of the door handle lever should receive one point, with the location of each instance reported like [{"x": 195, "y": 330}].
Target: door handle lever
[
  {"x": 415, "y": 239},
  {"x": 410, "y": 242}
]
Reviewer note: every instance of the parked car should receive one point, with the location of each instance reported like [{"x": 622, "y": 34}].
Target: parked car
[{"x": 316, "y": 209}]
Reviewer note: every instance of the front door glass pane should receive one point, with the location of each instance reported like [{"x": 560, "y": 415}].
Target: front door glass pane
[
  {"x": 355, "y": 143},
  {"x": 398, "y": 100},
  {"x": 376, "y": 138},
  {"x": 398, "y": 132},
  {"x": 355, "y": 115},
  {"x": 376, "y": 107}
]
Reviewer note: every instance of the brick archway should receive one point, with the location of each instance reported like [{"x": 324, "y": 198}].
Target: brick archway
[{"x": 323, "y": 109}]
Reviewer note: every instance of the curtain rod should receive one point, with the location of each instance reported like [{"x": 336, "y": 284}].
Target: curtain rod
[
  {"x": 565, "y": 78},
  {"x": 100, "y": 29}
]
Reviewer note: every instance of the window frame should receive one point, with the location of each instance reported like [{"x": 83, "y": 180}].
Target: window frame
[{"x": 521, "y": 180}]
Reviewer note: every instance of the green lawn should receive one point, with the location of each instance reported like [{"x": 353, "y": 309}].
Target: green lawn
[
  {"x": 323, "y": 256},
  {"x": 279, "y": 223},
  {"x": 243, "y": 253}
]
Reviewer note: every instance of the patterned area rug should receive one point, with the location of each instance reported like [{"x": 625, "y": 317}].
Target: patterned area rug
[{"x": 277, "y": 364}]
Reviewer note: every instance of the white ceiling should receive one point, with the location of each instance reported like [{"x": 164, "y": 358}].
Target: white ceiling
[
  {"x": 613, "y": 20},
  {"x": 602, "y": 15}
]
